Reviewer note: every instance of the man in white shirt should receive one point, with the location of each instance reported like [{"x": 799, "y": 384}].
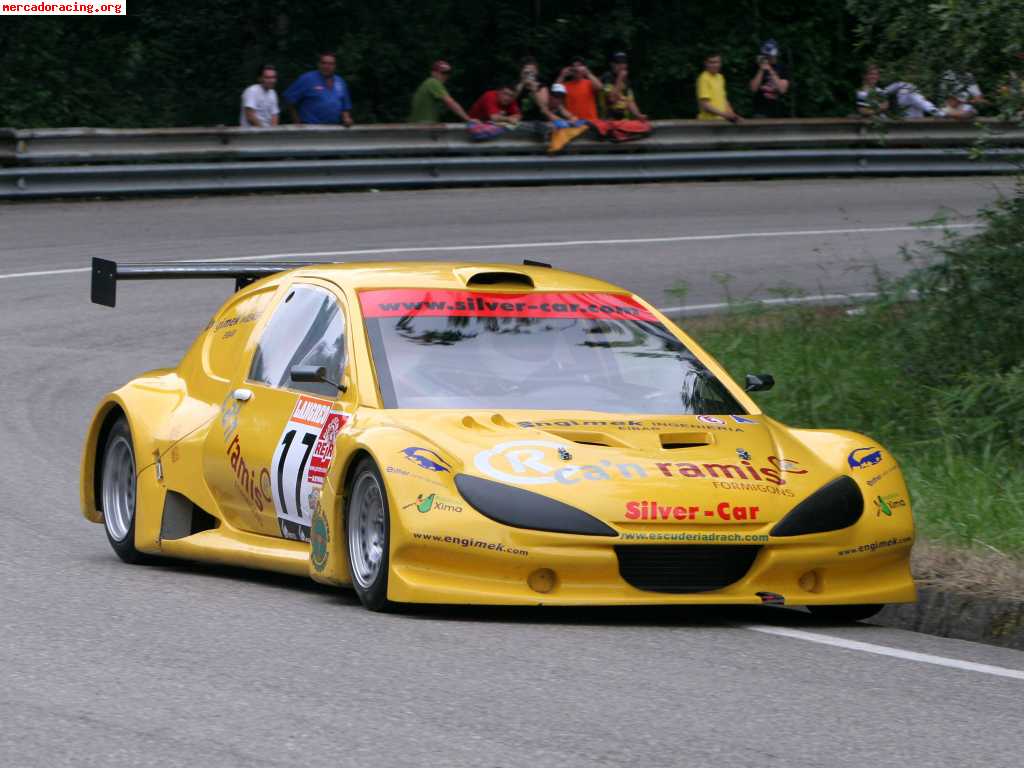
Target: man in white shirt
[
  {"x": 259, "y": 101},
  {"x": 911, "y": 103}
]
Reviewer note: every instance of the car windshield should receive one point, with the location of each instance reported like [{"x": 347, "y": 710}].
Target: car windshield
[{"x": 547, "y": 351}]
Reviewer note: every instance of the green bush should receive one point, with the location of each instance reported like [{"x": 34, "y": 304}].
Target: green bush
[{"x": 939, "y": 380}]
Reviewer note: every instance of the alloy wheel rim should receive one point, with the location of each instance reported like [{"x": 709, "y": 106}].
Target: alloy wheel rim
[
  {"x": 366, "y": 530},
  {"x": 119, "y": 488}
]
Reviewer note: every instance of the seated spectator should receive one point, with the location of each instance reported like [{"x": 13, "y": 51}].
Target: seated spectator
[
  {"x": 871, "y": 99},
  {"x": 431, "y": 97},
  {"x": 617, "y": 99},
  {"x": 957, "y": 108},
  {"x": 557, "y": 104},
  {"x": 259, "y": 101},
  {"x": 769, "y": 83},
  {"x": 581, "y": 89},
  {"x": 963, "y": 87},
  {"x": 906, "y": 101},
  {"x": 712, "y": 102},
  {"x": 320, "y": 97},
  {"x": 532, "y": 94},
  {"x": 497, "y": 106}
]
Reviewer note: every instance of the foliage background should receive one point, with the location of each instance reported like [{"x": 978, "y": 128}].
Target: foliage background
[{"x": 173, "y": 64}]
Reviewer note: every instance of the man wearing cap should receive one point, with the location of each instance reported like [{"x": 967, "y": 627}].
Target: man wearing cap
[
  {"x": 320, "y": 97},
  {"x": 431, "y": 98},
  {"x": 769, "y": 83},
  {"x": 617, "y": 99},
  {"x": 581, "y": 89}
]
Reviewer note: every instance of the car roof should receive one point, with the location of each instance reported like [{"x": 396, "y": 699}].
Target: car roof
[{"x": 453, "y": 275}]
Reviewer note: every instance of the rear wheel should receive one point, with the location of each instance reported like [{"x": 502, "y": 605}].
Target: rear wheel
[
  {"x": 844, "y": 614},
  {"x": 118, "y": 485},
  {"x": 368, "y": 533}
]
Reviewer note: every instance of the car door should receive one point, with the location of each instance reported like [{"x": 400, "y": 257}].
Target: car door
[{"x": 271, "y": 456}]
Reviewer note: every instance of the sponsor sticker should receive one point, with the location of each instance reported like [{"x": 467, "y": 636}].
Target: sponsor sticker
[
  {"x": 537, "y": 462},
  {"x": 319, "y": 538},
  {"x": 864, "y": 457},
  {"x": 875, "y": 545},
  {"x": 404, "y": 302},
  {"x": 884, "y": 505},
  {"x": 711, "y": 420},
  {"x": 427, "y": 459},
  {"x": 470, "y": 543},
  {"x": 742, "y": 420},
  {"x": 723, "y": 511},
  {"x": 301, "y": 460},
  {"x": 425, "y": 504}
]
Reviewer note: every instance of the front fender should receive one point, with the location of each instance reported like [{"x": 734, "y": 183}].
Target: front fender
[{"x": 385, "y": 444}]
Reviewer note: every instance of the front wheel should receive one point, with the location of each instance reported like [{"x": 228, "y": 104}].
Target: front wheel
[
  {"x": 118, "y": 485},
  {"x": 368, "y": 533},
  {"x": 844, "y": 614}
]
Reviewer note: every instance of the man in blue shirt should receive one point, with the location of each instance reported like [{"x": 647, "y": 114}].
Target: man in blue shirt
[{"x": 320, "y": 97}]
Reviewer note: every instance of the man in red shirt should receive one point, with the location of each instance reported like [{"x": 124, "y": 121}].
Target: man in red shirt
[
  {"x": 581, "y": 89},
  {"x": 497, "y": 106}
]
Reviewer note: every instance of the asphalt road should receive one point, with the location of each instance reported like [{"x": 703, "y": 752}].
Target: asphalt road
[{"x": 104, "y": 664}]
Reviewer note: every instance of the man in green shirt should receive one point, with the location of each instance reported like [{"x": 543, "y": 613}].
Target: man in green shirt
[{"x": 431, "y": 98}]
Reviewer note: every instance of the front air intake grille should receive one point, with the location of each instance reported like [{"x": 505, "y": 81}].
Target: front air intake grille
[{"x": 684, "y": 568}]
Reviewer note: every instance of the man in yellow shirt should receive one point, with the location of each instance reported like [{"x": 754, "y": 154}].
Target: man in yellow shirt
[{"x": 711, "y": 99}]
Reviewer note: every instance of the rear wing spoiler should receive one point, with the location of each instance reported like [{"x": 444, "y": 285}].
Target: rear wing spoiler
[{"x": 106, "y": 274}]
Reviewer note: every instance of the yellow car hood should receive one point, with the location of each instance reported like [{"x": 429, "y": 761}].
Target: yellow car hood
[{"x": 626, "y": 470}]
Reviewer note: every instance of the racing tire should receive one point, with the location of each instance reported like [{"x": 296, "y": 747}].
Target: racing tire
[
  {"x": 844, "y": 614},
  {"x": 118, "y": 488},
  {"x": 368, "y": 536}
]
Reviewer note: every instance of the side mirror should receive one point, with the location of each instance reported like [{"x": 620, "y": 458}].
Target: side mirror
[
  {"x": 759, "y": 382},
  {"x": 315, "y": 374}
]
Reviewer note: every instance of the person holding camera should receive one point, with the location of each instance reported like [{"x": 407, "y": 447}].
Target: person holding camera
[
  {"x": 532, "y": 94},
  {"x": 769, "y": 83},
  {"x": 581, "y": 89},
  {"x": 617, "y": 99}
]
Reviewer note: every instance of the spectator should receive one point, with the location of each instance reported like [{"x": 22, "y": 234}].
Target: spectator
[
  {"x": 909, "y": 101},
  {"x": 581, "y": 89},
  {"x": 963, "y": 87},
  {"x": 497, "y": 106},
  {"x": 431, "y": 97},
  {"x": 320, "y": 97},
  {"x": 957, "y": 108},
  {"x": 617, "y": 99},
  {"x": 557, "y": 104},
  {"x": 532, "y": 94},
  {"x": 871, "y": 99},
  {"x": 259, "y": 101},
  {"x": 712, "y": 101},
  {"x": 769, "y": 83}
]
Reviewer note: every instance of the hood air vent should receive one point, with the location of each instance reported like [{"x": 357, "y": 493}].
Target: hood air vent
[
  {"x": 499, "y": 278},
  {"x": 674, "y": 440}
]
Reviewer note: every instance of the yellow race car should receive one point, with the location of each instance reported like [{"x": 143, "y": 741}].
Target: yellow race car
[{"x": 488, "y": 434}]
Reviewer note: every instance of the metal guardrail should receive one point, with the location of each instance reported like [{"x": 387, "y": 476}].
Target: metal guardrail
[{"x": 69, "y": 162}]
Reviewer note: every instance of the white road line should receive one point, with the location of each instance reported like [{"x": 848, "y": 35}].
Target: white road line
[
  {"x": 884, "y": 650},
  {"x": 818, "y": 298},
  {"x": 549, "y": 244}
]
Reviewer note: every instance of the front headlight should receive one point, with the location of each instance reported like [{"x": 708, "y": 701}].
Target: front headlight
[
  {"x": 513, "y": 506},
  {"x": 836, "y": 505}
]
